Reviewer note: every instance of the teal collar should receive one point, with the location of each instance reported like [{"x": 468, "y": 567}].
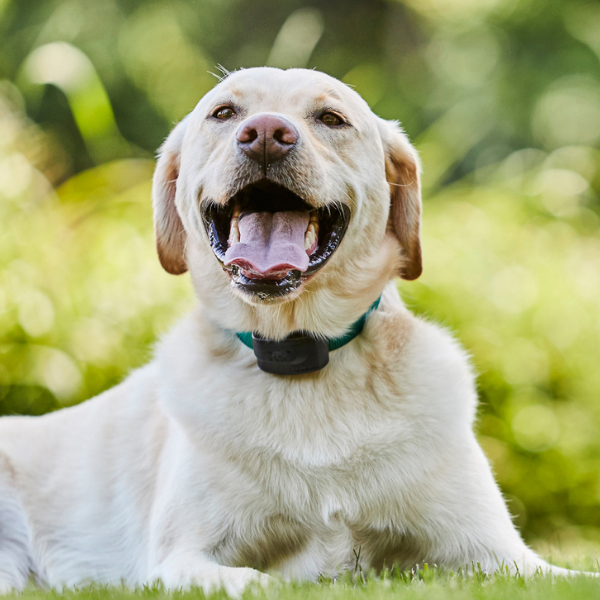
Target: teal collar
[{"x": 332, "y": 343}]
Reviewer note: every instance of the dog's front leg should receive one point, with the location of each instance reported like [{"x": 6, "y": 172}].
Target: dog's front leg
[
  {"x": 180, "y": 558},
  {"x": 464, "y": 521},
  {"x": 188, "y": 522}
]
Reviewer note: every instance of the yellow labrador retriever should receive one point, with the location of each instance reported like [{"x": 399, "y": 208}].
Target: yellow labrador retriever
[{"x": 300, "y": 412}]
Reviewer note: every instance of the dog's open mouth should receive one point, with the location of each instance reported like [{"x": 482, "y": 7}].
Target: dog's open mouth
[{"x": 270, "y": 240}]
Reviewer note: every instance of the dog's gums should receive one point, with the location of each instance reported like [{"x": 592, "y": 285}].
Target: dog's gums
[{"x": 269, "y": 240}]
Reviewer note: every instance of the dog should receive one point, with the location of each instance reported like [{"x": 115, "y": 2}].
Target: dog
[{"x": 300, "y": 414}]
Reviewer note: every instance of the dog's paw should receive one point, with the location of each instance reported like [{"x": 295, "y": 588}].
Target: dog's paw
[
  {"x": 9, "y": 588},
  {"x": 233, "y": 580}
]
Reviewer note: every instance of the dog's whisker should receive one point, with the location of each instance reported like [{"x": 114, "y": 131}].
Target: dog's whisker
[{"x": 401, "y": 184}]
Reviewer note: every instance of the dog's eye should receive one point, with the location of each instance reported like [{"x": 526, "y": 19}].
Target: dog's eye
[
  {"x": 331, "y": 119},
  {"x": 224, "y": 113}
]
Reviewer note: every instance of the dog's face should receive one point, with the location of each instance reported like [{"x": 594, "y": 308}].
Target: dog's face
[{"x": 282, "y": 187}]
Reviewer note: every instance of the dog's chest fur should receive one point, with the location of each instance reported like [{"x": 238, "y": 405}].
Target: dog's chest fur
[
  {"x": 284, "y": 508},
  {"x": 314, "y": 464},
  {"x": 330, "y": 512}
]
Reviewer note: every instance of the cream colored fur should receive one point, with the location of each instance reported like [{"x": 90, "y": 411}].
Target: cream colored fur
[{"x": 200, "y": 468}]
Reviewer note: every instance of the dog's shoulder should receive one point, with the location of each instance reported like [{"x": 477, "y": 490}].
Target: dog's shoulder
[{"x": 425, "y": 359}]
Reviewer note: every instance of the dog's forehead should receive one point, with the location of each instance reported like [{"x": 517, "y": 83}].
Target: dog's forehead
[{"x": 270, "y": 89}]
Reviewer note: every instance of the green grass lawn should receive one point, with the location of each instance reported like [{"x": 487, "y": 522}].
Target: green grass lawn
[{"x": 427, "y": 583}]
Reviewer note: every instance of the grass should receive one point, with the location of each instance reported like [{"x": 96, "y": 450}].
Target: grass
[{"x": 426, "y": 583}]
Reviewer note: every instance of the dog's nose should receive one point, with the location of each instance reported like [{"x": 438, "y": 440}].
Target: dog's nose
[{"x": 266, "y": 139}]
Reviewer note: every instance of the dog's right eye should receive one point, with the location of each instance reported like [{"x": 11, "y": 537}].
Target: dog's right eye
[
  {"x": 332, "y": 119},
  {"x": 223, "y": 113}
]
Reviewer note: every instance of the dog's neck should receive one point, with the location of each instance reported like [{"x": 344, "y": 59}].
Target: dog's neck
[{"x": 300, "y": 352}]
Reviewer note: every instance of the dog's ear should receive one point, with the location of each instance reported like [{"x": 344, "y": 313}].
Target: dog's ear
[
  {"x": 402, "y": 171},
  {"x": 170, "y": 234}
]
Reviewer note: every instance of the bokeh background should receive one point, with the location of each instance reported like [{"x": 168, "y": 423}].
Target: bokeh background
[{"x": 502, "y": 99}]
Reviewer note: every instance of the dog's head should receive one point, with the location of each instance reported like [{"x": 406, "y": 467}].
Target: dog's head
[{"x": 289, "y": 201}]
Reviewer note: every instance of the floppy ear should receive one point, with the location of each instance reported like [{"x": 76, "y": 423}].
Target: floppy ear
[
  {"x": 168, "y": 228},
  {"x": 402, "y": 171}
]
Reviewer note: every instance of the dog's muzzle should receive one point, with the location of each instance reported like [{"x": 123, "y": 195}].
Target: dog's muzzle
[{"x": 269, "y": 239}]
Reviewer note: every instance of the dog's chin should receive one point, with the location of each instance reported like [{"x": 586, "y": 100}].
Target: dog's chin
[
  {"x": 255, "y": 292},
  {"x": 282, "y": 279}
]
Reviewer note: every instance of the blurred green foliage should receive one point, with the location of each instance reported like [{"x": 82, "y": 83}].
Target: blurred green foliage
[{"x": 502, "y": 98}]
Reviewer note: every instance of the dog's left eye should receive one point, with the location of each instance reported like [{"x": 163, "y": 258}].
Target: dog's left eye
[
  {"x": 223, "y": 113},
  {"x": 331, "y": 119}
]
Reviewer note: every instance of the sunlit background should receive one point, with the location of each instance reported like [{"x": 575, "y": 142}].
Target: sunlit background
[{"x": 502, "y": 99}]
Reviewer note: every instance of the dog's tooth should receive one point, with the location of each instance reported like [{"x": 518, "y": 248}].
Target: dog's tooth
[
  {"x": 313, "y": 229},
  {"x": 234, "y": 232},
  {"x": 309, "y": 239},
  {"x": 314, "y": 217}
]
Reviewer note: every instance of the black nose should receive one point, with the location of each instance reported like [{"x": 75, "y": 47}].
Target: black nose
[{"x": 266, "y": 139}]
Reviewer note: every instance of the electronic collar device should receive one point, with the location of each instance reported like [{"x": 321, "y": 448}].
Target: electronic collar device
[{"x": 300, "y": 352}]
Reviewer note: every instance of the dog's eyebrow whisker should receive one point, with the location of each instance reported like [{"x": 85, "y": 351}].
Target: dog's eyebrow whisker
[{"x": 223, "y": 70}]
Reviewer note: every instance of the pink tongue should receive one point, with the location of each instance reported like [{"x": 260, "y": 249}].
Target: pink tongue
[{"x": 271, "y": 244}]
